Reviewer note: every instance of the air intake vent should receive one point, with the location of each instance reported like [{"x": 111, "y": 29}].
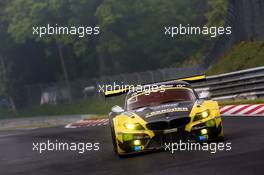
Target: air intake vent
[{"x": 161, "y": 125}]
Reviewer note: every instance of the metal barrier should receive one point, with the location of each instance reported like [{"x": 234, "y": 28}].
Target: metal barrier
[
  {"x": 57, "y": 93},
  {"x": 246, "y": 84},
  {"x": 241, "y": 84}
]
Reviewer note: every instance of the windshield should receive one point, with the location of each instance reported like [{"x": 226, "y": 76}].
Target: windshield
[{"x": 156, "y": 98}]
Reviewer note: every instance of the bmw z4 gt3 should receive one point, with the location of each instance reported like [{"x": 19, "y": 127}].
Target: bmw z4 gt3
[{"x": 152, "y": 118}]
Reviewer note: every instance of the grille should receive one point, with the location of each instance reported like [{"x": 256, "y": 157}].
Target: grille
[
  {"x": 162, "y": 125},
  {"x": 176, "y": 123}
]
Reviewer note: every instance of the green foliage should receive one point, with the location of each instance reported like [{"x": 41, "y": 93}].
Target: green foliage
[
  {"x": 216, "y": 15},
  {"x": 3, "y": 80},
  {"x": 5, "y": 66},
  {"x": 131, "y": 37},
  {"x": 130, "y": 31},
  {"x": 25, "y": 14},
  {"x": 242, "y": 56},
  {"x": 134, "y": 31}
]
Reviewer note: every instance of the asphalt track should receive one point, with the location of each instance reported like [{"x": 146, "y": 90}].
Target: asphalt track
[{"x": 246, "y": 157}]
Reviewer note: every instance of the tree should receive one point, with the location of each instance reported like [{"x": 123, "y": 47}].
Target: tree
[
  {"x": 25, "y": 14},
  {"x": 6, "y": 83},
  {"x": 217, "y": 13},
  {"x": 133, "y": 36}
]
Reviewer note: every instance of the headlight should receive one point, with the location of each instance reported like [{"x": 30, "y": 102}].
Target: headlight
[
  {"x": 202, "y": 115},
  {"x": 134, "y": 126}
]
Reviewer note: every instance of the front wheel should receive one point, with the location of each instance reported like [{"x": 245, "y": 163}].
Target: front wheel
[{"x": 113, "y": 135}]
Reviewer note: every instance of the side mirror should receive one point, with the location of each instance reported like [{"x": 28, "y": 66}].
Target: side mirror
[
  {"x": 117, "y": 109},
  {"x": 205, "y": 95}
]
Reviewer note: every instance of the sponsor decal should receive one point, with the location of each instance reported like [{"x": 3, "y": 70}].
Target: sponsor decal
[{"x": 178, "y": 109}]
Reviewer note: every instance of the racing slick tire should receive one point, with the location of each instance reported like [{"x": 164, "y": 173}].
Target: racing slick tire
[{"x": 113, "y": 135}]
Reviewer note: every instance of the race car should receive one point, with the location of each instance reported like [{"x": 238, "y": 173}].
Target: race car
[{"x": 150, "y": 118}]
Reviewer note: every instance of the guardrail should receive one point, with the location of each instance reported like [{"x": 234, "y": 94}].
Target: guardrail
[
  {"x": 241, "y": 84},
  {"x": 246, "y": 84}
]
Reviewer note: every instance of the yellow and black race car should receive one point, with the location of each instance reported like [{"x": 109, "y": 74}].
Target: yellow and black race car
[{"x": 151, "y": 118}]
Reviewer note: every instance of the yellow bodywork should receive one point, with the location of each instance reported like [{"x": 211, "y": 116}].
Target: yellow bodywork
[
  {"x": 118, "y": 122},
  {"x": 129, "y": 117}
]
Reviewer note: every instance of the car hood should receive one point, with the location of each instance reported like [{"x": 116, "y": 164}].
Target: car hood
[{"x": 167, "y": 112}]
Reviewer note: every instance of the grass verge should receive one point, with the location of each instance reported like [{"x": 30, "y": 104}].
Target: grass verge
[
  {"x": 242, "y": 56},
  {"x": 239, "y": 102},
  {"x": 100, "y": 107}
]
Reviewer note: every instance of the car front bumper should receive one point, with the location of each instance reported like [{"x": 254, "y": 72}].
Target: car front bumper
[{"x": 142, "y": 142}]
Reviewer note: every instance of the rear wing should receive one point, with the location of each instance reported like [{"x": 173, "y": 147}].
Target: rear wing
[
  {"x": 116, "y": 92},
  {"x": 193, "y": 78},
  {"x": 120, "y": 91}
]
